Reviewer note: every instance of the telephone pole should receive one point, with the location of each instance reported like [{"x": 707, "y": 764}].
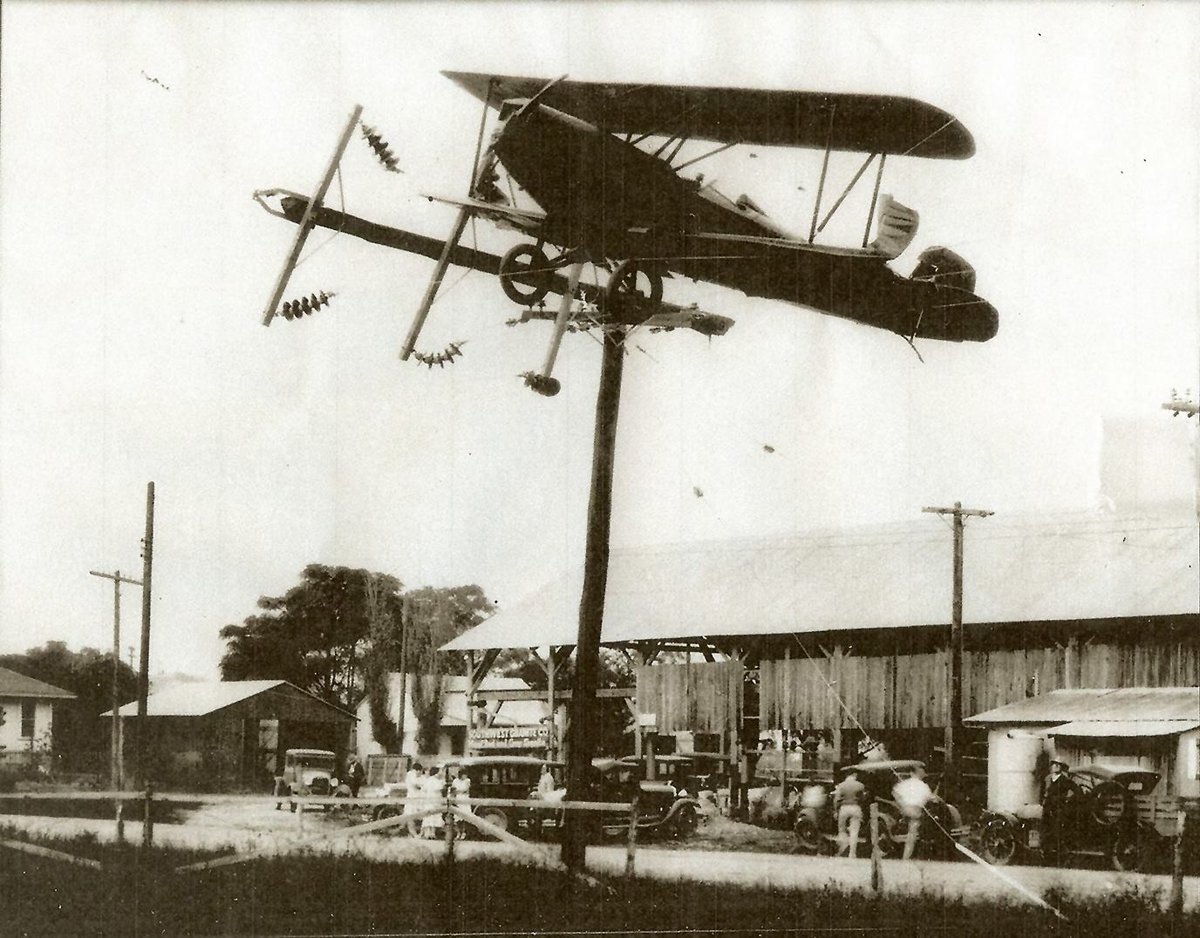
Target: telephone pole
[
  {"x": 954, "y": 723},
  {"x": 143, "y": 688},
  {"x": 115, "y": 746}
]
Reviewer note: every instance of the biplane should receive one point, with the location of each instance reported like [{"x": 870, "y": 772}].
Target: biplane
[{"x": 601, "y": 184}]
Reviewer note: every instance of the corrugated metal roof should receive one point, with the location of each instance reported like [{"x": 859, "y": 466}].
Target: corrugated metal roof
[
  {"x": 15, "y": 684},
  {"x": 1098, "y": 705},
  {"x": 1030, "y": 569},
  {"x": 198, "y": 698},
  {"x": 1120, "y": 729}
]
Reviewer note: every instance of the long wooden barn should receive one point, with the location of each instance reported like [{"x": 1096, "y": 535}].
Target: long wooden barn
[{"x": 848, "y": 630}]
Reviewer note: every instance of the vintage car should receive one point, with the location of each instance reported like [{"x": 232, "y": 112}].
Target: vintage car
[
  {"x": 308, "y": 772},
  {"x": 665, "y": 805},
  {"x": 690, "y": 773},
  {"x": 1100, "y": 821},
  {"x": 815, "y": 823},
  {"x": 515, "y": 778}
]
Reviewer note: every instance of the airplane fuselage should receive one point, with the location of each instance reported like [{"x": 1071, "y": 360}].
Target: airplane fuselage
[{"x": 604, "y": 195}]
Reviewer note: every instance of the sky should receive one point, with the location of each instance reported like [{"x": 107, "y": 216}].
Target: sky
[{"x": 134, "y": 267}]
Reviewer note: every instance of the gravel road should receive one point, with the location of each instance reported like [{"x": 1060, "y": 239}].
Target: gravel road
[{"x": 256, "y": 828}]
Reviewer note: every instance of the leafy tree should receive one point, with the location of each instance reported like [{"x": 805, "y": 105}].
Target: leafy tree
[
  {"x": 315, "y": 634},
  {"x": 433, "y": 616},
  {"x": 341, "y": 631},
  {"x": 615, "y": 671},
  {"x": 80, "y": 734}
]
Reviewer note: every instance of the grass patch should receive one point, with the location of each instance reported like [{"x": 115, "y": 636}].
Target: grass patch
[{"x": 138, "y": 893}]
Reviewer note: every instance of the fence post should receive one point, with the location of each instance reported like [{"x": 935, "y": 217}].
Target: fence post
[
  {"x": 876, "y": 867},
  {"x": 147, "y": 819},
  {"x": 120, "y": 822},
  {"x": 1176, "y": 903},
  {"x": 631, "y": 837},
  {"x": 450, "y": 820}
]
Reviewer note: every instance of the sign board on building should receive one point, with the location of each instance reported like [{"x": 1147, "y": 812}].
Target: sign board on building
[{"x": 510, "y": 737}]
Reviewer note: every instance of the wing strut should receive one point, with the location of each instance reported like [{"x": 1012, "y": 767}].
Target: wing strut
[
  {"x": 439, "y": 274},
  {"x": 306, "y": 221}
]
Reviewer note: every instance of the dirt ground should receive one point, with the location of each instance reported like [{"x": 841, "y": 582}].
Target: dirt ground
[{"x": 721, "y": 851}]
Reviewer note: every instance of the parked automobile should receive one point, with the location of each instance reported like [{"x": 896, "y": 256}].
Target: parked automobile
[
  {"x": 665, "y": 806},
  {"x": 308, "y": 772},
  {"x": 690, "y": 773},
  {"x": 815, "y": 825},
  {"x": 1101, "y": 821}
]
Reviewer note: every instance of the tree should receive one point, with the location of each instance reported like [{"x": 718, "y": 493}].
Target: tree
[
  {"x": 433, "y": 616},
  {"x": 80, "y": 734},
  {"x": 315, "y": 634},
  {"x": 615, "y": 671}
]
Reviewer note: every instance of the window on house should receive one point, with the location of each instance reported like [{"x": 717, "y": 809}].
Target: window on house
[
  {"x": 1194, "y": 758},
  {"x": 28, "y": 710}
]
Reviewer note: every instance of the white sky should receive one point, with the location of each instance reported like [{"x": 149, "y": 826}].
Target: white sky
[{"x": 134, "y": 267}]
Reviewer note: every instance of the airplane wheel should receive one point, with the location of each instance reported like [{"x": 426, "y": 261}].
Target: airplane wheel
[
  {"x": 641, "y": 288},
  {"x": 530, "y": 264}
]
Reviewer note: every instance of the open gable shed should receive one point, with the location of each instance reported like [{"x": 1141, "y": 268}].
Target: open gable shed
[{"x": 226, "y": 735}]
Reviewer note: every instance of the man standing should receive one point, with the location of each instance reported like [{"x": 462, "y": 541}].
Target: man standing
[
  {"x": 848, "y": 799},
  {"x": 355, "y": 775},
  {"x": 912, "y": 794},
  {"x": 1057, "y": 800}
]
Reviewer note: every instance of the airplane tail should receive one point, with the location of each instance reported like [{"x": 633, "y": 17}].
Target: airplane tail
[{"x": 896, "y": 229}]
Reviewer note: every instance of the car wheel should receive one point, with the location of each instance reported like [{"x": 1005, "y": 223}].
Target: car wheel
[
  {"x": 495, "y": 817},
  {"x": 685, "y": 821},
  {"x": 998, "y": 842},
  {"x": 384, "y": 811},
  {"x": 1135, "y": 850},
  {"x": 808, "y": 835}
]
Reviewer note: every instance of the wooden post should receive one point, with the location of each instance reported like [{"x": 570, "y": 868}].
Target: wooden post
[
  {"x": 581, "y": 732},
  {"x": 148, "y": 818},
  {"x": 952, "y": 769},
  {"x": 631, "y": 838},
  {"x": 1176, "y": 903},
  {"x": 876, "y": 853},
  {"x": 449, "y": 816},
  {"x": 552, "y": 741},
  {"x": 143, "y": 687}
]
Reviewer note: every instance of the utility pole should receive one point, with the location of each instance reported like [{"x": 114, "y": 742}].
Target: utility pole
[
  {"x": 144, "y": 662},
  {"x": 115, "y": 764},
  {"x": 954, "y": 723},
  {"x": 581, "y": 730}
]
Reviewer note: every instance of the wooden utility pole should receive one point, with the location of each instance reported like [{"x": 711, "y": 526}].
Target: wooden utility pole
[
  {"x": 954, "y": 723},
  {"x": 581, "y": 729},
  {"x": 144, "y": 661},
  {"x": 115, "y": 772}
]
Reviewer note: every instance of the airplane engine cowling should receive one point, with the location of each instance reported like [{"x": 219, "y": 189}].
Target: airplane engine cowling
[{"x": 941, "y": 265}]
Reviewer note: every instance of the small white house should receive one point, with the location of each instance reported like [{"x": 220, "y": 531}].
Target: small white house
[
  {"x": 460, "y": 723},
  {"x": 26, "y": 716},
  {"x": 1155, "y": 728}
]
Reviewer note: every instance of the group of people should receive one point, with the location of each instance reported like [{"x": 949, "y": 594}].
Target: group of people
[
  {"x": 851, "y": 799},
  {"x": 424, "y": 791}
]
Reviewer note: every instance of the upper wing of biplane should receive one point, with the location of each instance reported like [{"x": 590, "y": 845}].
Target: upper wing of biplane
[{"x": 860, "y": 123}]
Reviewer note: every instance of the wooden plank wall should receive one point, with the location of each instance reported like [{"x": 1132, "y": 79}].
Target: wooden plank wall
[
  {"x": 705, "y": 697},
  {"x": 911, "y": 691}
]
